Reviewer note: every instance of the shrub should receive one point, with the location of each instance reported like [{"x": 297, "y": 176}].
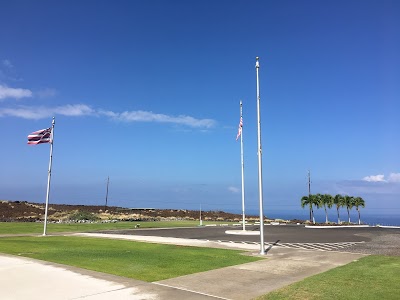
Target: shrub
[{"x": 83, "y": 215}]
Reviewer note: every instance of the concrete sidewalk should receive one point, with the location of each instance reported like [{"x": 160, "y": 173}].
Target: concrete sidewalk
[
  {"x": 23, "y": 278},
  {"x": 246, "y": 281}
]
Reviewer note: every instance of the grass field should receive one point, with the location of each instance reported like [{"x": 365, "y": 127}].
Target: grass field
[
  {"x": 143, "y": 261},
  {"x": 37, "y": 228},
  {"x": 370, "y": 278}
]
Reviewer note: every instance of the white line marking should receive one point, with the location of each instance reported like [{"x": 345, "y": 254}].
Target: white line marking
[
  {"x": 341, "y": 246},
  {"x": 187, "y": 290},
  {"x": 100, "y": 293},
  {"x": 320, "y": 246},
  {"x": 323, "y": 248}
]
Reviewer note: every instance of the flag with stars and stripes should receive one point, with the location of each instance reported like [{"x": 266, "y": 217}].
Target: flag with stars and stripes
[{"x": 40, "y": 137}]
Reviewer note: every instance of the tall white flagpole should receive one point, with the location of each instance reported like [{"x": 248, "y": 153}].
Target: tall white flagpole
[
  {"x": 49, "y": 176},
  {"x": 242, "y": 162},
  {"x": 260, "y": 187}
]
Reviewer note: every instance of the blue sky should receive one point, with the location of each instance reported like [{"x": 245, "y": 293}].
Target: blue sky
[{"x": 147, "y": 92}]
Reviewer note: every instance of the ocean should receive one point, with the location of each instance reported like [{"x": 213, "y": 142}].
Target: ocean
[{"x": 366, "y": 218}]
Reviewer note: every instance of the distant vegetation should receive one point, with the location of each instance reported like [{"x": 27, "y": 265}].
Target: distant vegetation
[
  {"x": 24, "y": 211},
  {"x": 327, "y": 201},
  {"x": 83, "y": 216}
]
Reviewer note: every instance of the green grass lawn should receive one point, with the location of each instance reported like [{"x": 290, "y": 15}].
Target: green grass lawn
[
  {"x": 37, "y": 228},
  {"x": 143, "y": 261},
  {"x": 372, "y": 277}
]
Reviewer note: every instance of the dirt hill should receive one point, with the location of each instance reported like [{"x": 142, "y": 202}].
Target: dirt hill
[{"x": 23, "y": 211}]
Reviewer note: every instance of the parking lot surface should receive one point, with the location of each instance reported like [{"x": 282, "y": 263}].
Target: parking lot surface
[{"x": 368, "y": 240}]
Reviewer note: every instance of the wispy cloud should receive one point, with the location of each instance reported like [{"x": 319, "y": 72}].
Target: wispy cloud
[
  {"x": 233, "y": 189},
  {"x": 362, "y": 187},
  {"x": 8, "y": 72},
  {"x": 37, "y": 113},
  {"x": 46, "y": 93},
  {"x": 148, "y": 116},
  {"x": 394, "y": 177},
  {"x": 7, "y": 63},
  {"x": 41, "y": 112},
  {"x": 375, "y": 178},
  {"x": 14, "y": 93}
]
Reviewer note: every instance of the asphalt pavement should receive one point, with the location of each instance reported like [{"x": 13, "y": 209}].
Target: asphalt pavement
[
  {"x": 272, "y": 233},
  {"x": 368, "y": 240}
]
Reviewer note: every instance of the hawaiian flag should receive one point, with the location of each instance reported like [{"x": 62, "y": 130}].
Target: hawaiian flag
[
  {"x": 40, "y": 137},
  {"x": 240, "y": 128}
]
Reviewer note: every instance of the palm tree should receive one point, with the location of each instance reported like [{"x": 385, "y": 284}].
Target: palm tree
[
  {"x": 338, "y": 201},
  {"x": 316, "y": 201},
  {"x": 327, "y": 201},
  {"x": 348, "y": 201},
  {"x": 307, "y": 201},
  {"x": 358, "y": 201}
]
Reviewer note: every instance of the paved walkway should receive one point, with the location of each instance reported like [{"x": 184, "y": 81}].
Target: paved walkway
[{"x": 23, "y": 278}]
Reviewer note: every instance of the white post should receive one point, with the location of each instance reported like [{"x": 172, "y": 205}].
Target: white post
[
  {"x": 49, "y": 176},
  {"x": 201, "y": 221},
  {"x": 260, "y": 188},
  {"x": 242, "y": 162}
]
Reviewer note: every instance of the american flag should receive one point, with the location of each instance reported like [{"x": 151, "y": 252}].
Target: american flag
[
  {"x": 40, "y": 137},
  {"x": 240, "y": 128}
]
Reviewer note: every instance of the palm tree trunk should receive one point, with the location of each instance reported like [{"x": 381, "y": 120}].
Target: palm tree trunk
[
  {"x": 338, "y": 216},
  {"x": 326, "y": 215},
  {"x": 348, "y": 213},
  {"x": 311, "y": 216},
  {"x": 359, "y": 218}
]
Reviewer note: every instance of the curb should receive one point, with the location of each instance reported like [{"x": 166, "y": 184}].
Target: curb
[
  {"x": 383, "y": 226},
  {"x": 242, "y": 232},
  {"x": 344, "y": 226}
]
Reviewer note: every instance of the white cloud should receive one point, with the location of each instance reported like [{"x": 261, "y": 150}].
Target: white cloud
[
  {"x": 40, "y": 112},
  {"x": 375, "y": 178},
  {"x": 16, "y": 93},
  {"x": 74, "y": 110},
  {"x": 108, "y": 113},
  {"x": 36, "y": 113},
  {"x": 148, "y": 116},
  {"x": 394, "y": 177},
  {"x": 233, "y": 189}
]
